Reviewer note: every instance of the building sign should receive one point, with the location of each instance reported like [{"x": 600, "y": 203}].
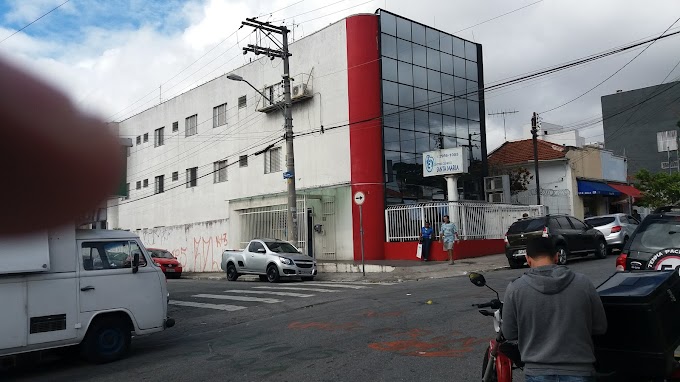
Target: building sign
[{"x": 446, "y": 162}]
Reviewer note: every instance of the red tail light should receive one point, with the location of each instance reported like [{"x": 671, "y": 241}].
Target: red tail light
[
  {"x": 545, "y": 232},
  {"x": 616, "y": 228},
  {"x": 621, "y": 262}
]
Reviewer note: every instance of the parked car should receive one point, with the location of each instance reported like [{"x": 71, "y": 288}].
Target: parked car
[
  {"x": 270, "y": 259},
  {"x": 571, "y": 237},
  {"x": 655, "y": 244},
  {"x": 616, "y": 228},
  {"x": 169, "y": 264}
]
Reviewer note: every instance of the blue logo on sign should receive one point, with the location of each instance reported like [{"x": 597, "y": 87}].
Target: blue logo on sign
[{"x": 429, "y": 163}]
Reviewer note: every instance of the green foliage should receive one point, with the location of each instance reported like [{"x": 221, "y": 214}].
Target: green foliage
[
  {"x": 660, "y": 189},
  {"x": 519, "y": 180}
]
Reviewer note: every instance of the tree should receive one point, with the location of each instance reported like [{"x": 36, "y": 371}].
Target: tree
[
  {"x": 660, "y": 189},
  {"x": 520, "y": 177}
]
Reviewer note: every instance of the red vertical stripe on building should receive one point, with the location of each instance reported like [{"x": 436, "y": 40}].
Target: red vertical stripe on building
[{"x": 365, "y": 137}]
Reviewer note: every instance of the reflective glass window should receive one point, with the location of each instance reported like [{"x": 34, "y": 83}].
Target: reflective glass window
[
  {"x": 434, "y": 100},
  {"x": 421, "y": 121},
  {"x": 422, "y": 142},
  {"x": 409, "y": 158},
  {"x": 420, "y": 98},
  {"x": 459, "y": 67},
  {"x": 432, "y": 38},
  {"x": 461, "y": 108},
  {"x": 471, "y": 51},
  {"x": 406, "y": 119},
  {"x": 405, "y": 73},
  {"x": 418, "y": 33},
  {"x": 471, "y": 70},
  {"x": 447, "y": 84},
  {"x": 419, "y": 55},
  {"x": 435, "y": 123},
  {"x": 458, "y": 47},
  {"x": 447, "y": 63},
  {"x": 390, "y": 92},
  {"x": 433, "y": 60},
  {"x": 388, "y": 24},
  {"x": 433, "y": 80},
  {"x": 403, "y": 29},
  {"x": 389, "y": 46},
  {"x": 404, "y": 52},
  {"x": 473, "y": 110},
  {"x": 389, "y": 69},
  {"x": 473, "y": 90},
  {"x": 448, "y": 105},
  {"x": 462, "y": 127},
  {"x": 408, "y": 141},
  {"x": 460, "y": 85},
  {"x": 446, "y": 43},
  {"x": 449, "y": 125},
  {"x": 405, "y": 95},
  {"x": 420, "y": 77},
  {"x": 391, "y": 137}
]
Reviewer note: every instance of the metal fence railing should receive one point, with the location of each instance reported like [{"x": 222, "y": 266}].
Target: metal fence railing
[
  {"x": 474, "y": 220},
  {"x": 270, "y": 222}
]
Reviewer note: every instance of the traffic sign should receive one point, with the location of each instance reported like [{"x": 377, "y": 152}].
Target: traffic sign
[
  {"x": 287, "y": 175},
  {"x": 359, "y": 198}
]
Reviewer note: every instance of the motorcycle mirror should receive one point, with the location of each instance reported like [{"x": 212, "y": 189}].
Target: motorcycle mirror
[{"x": 477, "y": 279}]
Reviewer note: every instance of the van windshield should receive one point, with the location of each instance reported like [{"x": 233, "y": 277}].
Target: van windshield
[{"x": 528, "y": 225}]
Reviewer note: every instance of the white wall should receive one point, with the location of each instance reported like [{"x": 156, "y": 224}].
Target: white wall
[
  {"x": 320, "y": 159},
  {"x": 197, "y": 246},
  {"x": 556, "y": 187},
  {"x": 553, "y": 133}
]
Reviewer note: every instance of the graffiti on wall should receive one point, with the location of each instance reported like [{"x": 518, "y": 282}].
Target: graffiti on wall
[{"x": 198, "y": 246}]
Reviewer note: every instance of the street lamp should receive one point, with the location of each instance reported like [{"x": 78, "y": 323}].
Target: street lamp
[{"x": 291, "y": 222}]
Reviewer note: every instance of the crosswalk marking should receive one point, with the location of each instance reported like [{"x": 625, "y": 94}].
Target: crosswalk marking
[
  {"x": 298, "y": 289},
  {"x": 228, "y": 308},
  {"x": 290, "y": 294},
  {"x": 238, "y": 298},
  {"x": 337, "y": 285}
]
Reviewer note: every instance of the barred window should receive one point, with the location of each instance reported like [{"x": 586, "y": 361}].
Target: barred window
[
  {"x": 191, "y": 125},
  {"x": 220, "y": 115}
]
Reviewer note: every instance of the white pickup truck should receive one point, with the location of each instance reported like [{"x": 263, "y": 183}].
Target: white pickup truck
[
  {"x": 271, "y": 259},
  {"x": 91, "y": 288}
]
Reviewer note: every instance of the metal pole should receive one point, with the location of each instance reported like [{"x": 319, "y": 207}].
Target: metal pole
[
  {"x": 361, "y": 230},
  {"x": 290, "y": 152},
  {"x": 534, "y": 133}
]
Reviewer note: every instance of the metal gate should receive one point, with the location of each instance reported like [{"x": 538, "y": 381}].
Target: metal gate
[{"x": 270, "y": 222}]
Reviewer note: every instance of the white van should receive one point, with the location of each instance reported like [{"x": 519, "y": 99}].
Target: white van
[{"x": 92, "y": 288}]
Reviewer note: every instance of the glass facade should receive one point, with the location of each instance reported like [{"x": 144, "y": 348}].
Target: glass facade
[{"x": 430, "y": 95}]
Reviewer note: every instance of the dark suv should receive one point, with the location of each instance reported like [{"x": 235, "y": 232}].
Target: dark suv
[
  {"x": 571, "y": 237},
  {"x": 655, "y": 244}
]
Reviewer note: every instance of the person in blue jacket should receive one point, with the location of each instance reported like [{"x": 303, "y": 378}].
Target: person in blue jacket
[{"x": 426, "y": 239}]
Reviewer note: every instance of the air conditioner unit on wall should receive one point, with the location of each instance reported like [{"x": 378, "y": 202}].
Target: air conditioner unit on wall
[
  {"x": 495, "y": 198},
  {"x": 300, "y": 91}
]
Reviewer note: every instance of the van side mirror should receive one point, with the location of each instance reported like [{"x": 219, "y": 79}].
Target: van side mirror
[{"x": 135, "y": 262}]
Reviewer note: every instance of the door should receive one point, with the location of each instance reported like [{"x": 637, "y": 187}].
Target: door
[
  {"x": 107, "y": 282},
  {"x": 583, "y": 237},
  {"x": 568, "y": 233},
  {"x": 257, "y": 257}
]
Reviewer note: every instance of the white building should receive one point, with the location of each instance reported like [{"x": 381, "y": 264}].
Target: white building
[
  {"x": 206, "y": 171},
  {"x": 556, "y": 134}
]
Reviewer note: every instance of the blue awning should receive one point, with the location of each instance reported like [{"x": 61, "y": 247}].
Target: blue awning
[{"x": 586, "y": 187}]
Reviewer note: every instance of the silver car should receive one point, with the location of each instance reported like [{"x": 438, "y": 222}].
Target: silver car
[
  {"x": 270, "y": 259},
  {"x": 616, "y": 228}
]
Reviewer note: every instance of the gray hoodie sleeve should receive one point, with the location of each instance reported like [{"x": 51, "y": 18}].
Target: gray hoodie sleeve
[
  {"x": 599, "y": 317},
  {"x": 509, "y": 325}
]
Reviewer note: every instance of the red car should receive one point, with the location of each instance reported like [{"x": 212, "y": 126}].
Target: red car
[{"x": 168, "y": 263}]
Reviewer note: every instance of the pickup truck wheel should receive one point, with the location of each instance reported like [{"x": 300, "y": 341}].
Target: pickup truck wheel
[
  {"x": 107, "y": 340},
  {"x": 232, "y": 275},
  {"x": 263, "y": 278},
  {"x": 273, "y": 274}
]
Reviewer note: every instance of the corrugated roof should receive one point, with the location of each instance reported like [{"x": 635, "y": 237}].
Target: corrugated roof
[{"x": 523, "y": 151}]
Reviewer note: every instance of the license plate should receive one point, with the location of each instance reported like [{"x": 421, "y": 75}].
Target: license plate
[
  {"x": 521, "y": 252},
  {"x": 305, "y": 272},
  {"x": 169, "y": 270}
]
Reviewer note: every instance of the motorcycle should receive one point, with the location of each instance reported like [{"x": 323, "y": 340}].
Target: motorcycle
[{"x": 501, "y": 357}]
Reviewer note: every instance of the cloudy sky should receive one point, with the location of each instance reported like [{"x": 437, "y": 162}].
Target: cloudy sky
[{"x": 112, "y": 56}]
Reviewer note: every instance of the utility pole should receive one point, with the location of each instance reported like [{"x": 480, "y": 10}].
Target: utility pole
[
  {"x": 284, "y": 54},
  {"x": 534, "y": 133},
  {"x": 503, "y": 113}
]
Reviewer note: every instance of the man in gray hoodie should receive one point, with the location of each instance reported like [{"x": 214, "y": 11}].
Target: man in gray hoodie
[{"x": 553, "y": 312}]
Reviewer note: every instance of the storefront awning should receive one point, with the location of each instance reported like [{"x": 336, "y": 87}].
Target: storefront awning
[
  {"x": 586, "y": 187},
  {"x": 626, "y": 189}
]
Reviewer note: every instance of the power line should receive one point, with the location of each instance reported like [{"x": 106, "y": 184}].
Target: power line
[
  {"x": 615, "y": 73},
  {"x": 34, "y": 21},
  {"x": 497, "y": 17}
]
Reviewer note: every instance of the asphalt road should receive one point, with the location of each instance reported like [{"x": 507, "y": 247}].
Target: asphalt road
[{"x": 333, "y": 332}]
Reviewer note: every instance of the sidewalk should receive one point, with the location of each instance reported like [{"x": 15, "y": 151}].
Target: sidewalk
[{"x": 388, "y": 271}]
